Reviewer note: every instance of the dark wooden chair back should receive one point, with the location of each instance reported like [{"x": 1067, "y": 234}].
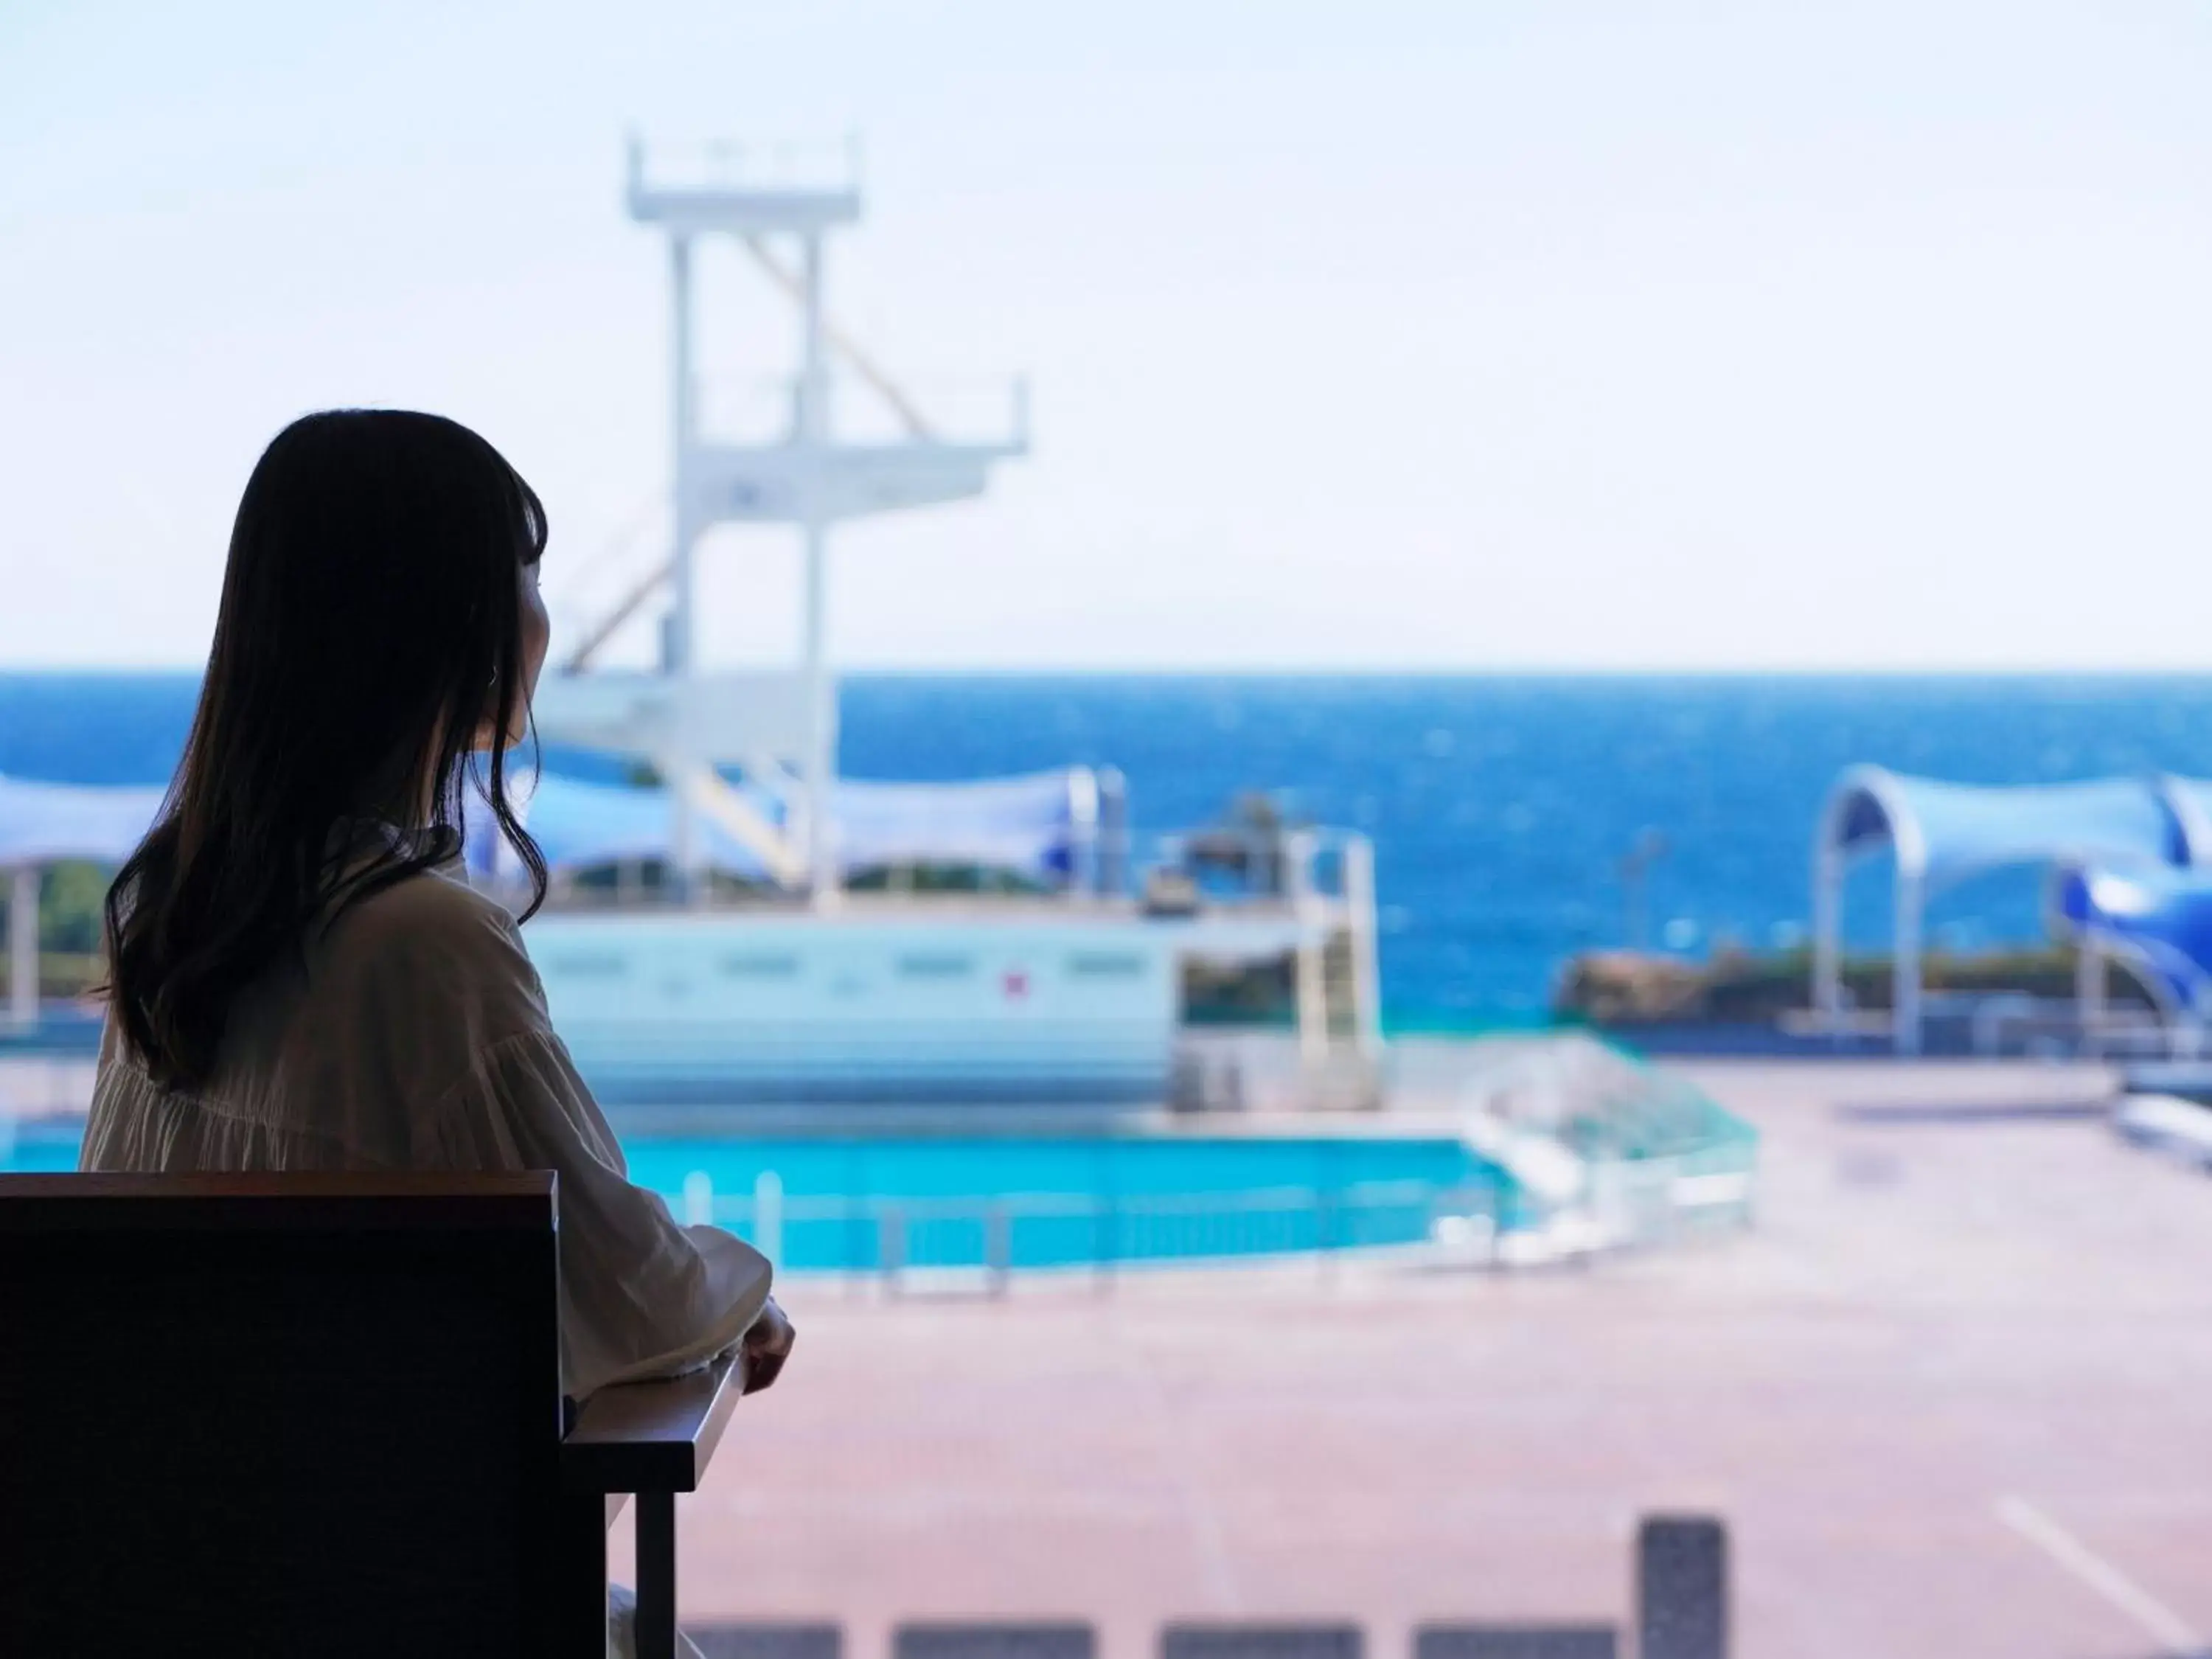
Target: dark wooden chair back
[{"x": 281, "y": 1415}]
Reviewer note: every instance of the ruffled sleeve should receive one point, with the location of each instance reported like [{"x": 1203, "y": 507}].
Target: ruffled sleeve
[{"x": 640, "y": 1295}]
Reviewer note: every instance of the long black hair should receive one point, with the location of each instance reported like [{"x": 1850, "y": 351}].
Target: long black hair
[{"x": 371, "y": 624}]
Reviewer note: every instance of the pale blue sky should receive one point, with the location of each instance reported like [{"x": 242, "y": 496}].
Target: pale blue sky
[{"x": 1378, "y": 335}]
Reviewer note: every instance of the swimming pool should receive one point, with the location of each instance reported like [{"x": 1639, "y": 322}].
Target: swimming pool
[{"x": 852, "y": 1204}]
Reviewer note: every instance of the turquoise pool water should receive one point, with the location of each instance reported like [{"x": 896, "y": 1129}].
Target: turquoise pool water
[
  {"x": 864, "y": 1204},
  {"x": 39, "y": 1154},
  {"x": 984, "y": 1167},
  {"x": 867, "y": 1205}
]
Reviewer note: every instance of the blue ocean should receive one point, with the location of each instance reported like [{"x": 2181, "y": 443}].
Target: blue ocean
[{"x": 1501, "y": 807}]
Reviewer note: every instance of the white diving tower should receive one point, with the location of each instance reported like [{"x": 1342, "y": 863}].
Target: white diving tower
[{"x": 781, "y": 727}]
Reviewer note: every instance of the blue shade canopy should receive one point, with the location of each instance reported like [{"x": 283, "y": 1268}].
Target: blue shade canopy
[
  {"x": 577, "y": 824},
  {"x": 1945, "y": 832},
  {"x": 47, "y": 822},
  {"x": 1034, "y": 825},
  {"x": 2159, "y": 920},
  {"x": 2189, "y": 800}
]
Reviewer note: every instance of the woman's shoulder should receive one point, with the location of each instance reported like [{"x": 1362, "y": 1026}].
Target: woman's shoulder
[
  {"x": 433, "y": 911},
  {"x": 432, "y": 937}
]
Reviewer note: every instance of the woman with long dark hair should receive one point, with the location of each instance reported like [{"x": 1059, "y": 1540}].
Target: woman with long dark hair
[{"x": 302, "y": 977}]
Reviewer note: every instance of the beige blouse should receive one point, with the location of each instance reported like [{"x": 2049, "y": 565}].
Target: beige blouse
[{"x": 417, "y": 1038}]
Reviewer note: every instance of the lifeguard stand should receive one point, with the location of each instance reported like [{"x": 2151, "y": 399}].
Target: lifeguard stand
[{"x": 807, "y": 476}]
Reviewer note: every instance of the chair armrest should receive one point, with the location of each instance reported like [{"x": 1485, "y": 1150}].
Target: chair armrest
[{"x": 652, "y": 1436}]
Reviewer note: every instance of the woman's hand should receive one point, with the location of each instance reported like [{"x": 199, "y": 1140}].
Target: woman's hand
[{"x": 766, "y": 1346}]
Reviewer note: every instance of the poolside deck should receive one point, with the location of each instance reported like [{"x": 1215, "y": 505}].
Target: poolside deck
[{"x": 1953, "y": 1394}]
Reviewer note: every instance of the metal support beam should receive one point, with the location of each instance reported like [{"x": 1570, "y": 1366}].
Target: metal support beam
[
  {"x": 1827, "y": 925},
  {"x": 820, "y": 770},
  {"x": 1366, "y": 977},
  {"x": 23, "y": 949},
  {"x": 1310, "y": 991},
  {"x": 679, "y": 639},
  {"x": 2089, "y": 992},
  {"x": 678, "y": 644},
  {"x": 1905, "y": 976}
]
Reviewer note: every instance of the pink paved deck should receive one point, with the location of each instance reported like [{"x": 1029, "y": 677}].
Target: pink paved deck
[{"x": 1934, "y": 1323}]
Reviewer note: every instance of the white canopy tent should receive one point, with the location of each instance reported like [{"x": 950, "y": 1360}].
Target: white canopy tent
[
  {"x": 1046, "y": 825},
  {"x": 1941, "y": 833},
  {"x": 1052, "y": 826}
]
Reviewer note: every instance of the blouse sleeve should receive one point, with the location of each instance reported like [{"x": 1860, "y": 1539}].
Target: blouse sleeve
[{"x": 640, "y": 1295}]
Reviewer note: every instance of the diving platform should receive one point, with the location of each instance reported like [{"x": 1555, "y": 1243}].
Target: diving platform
[
  {"x": 774, "y": 201},
  {"x": 745, "y": 190},
  {"x": 787, "y": 481}
]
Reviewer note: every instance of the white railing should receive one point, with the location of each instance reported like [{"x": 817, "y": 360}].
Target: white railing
[
  {"x": 866, "y": 408},
  {"x": 686, "y": 166},
  {"x": 903, "y": 1239}
]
